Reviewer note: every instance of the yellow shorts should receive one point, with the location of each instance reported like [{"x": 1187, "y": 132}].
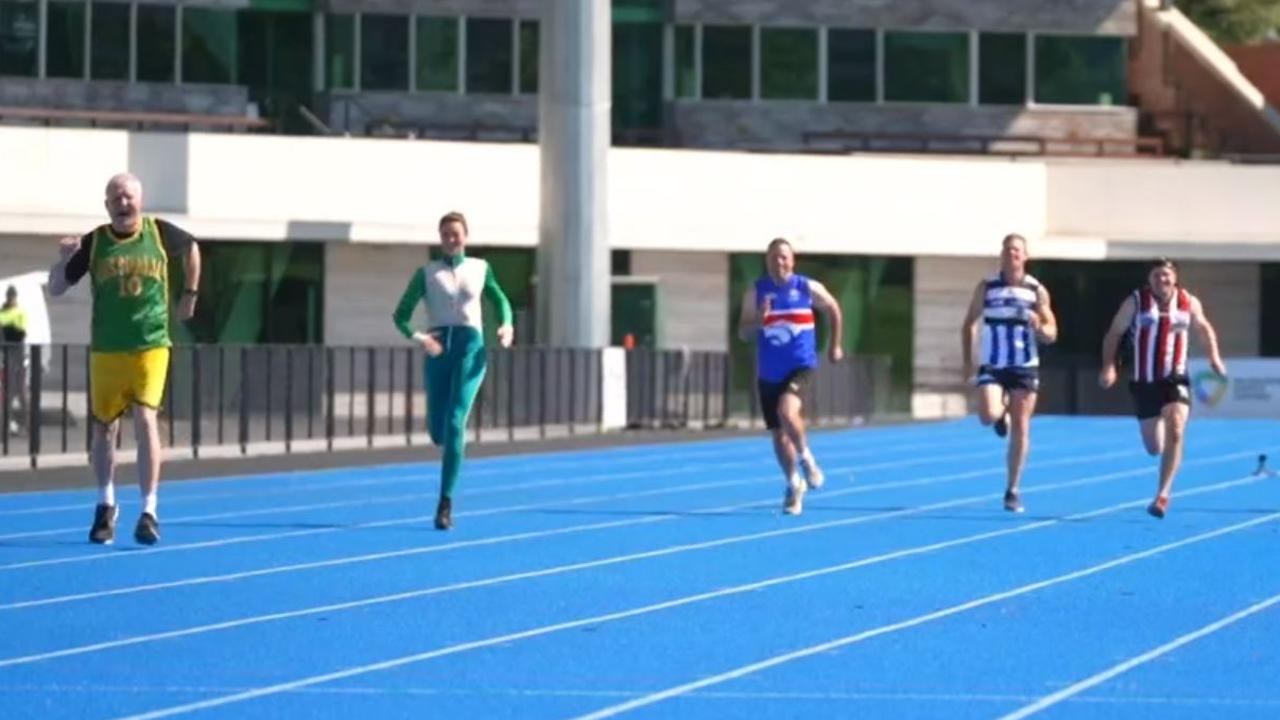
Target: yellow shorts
[{"x": 121, "y": 379}]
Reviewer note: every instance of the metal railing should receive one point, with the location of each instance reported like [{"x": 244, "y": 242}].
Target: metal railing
[{"x": 229, "y": 400}]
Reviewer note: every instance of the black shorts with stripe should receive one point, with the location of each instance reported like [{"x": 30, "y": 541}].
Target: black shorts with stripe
[{"x": 1150, "y": 398}]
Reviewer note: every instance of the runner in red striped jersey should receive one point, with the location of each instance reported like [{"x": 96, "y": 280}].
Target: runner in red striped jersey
[{"x": 1158, "y": 318}]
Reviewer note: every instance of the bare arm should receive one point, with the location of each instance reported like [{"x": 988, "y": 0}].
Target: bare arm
[
  {"x": 191, "y": 273},
  {"x": 1111, "y": 342},
  {"x": 970, "y": 327},
  {"x": 748, "y": 319},
  {"x": 1045, "y": 322},
  {"x": 827, "y": 305},
  {"x": 1208, "y": 335}
]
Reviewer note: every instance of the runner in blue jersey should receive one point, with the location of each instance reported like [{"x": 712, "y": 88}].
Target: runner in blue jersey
[
  {"x": 1014, "y": 314},
  {"x": 777, "y": 313}
]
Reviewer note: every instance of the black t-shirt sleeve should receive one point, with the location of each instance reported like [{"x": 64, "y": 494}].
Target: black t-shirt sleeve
[
  {"x": 175, "y": 239},
  {"x": 78, "y": 264}
]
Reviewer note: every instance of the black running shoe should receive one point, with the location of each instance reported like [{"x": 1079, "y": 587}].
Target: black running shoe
[
  {"x": 444, "y": 514},
  {"x": 147, "y": 531},
  {"x": 1001, "y": 426},
  {"x": 103, "y": 531},
  {"x": 1012, "y": 502}
]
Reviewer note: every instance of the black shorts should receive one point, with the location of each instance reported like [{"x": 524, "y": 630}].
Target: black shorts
[
  {"x": 1011, "y": 378},
  {"x": 1150, "y": 398},
  {"x": 771, "y": 394}
]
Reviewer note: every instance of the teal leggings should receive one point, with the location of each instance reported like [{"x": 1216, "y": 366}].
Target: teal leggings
[{"x": 453, "y": 379}]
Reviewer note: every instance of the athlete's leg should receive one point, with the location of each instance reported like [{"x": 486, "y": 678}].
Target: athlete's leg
[
  {"x": 146, "y": 427},
  {"x": 1021, "y": 406},
  {"x": 991, "y": 403},
  {"x": 102, "y": 455},
  {"x": 468, "y": 375},
  {"x": 438, "y": 375},
  {"x": 1175, "y": 416},
  {"x": 1153, "y": 434}
]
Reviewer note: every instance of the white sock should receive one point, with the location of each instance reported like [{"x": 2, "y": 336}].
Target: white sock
[
  {"x": 107, "y": 494},
  {"x": 807, "y": 457},
  {"x": 149, "y": 504},
  {"x": 795, "y": 481}
]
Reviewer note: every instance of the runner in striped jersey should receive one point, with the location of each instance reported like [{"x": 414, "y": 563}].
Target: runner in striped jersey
[
  {"x": 1158, "y": 317},
  {"x": 1015, "y": 314}
]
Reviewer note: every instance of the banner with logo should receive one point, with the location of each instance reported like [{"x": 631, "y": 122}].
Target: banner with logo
[{"x": 1250, "y": 390}]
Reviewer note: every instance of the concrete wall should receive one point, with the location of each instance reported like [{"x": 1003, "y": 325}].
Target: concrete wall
[
  {"x": 693, "y": 297},
  {"x": 1230, "y": 292},
  {"x": 943, "y": 287},
  {"x": 436, "y": 114},
  {"x": 366, "y": 190},
  {"x": 1114, "y": 17},
  {"x": 107, "y": 95},
  {"x": 785, "y": 125},
  {"x": 362, "y": 286}
]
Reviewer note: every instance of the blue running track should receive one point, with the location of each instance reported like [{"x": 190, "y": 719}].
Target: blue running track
[{"x": 662, "y": 581}]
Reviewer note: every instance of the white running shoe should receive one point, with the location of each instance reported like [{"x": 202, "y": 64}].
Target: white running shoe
[
  {"x": 793, "y": 501},
  {"x": 813, "y": 476}
]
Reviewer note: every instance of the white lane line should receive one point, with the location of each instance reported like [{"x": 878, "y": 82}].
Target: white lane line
[
  {"x": 689, "y": 687},
  {"x": 1120, "y": 668}
]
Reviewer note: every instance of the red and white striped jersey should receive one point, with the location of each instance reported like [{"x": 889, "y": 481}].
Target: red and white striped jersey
[{"x": 1160, "y": 335}]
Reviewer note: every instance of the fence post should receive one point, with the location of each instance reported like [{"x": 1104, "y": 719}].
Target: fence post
[
  {"x": 370, "y": 387},
  {"x": 244, "y": 401},
  {"x": 288, "y": 399},
  {"x": 329, "y": 400},
  {"x": 195, "y": 401},
  {"x": 33, "y": 401}
]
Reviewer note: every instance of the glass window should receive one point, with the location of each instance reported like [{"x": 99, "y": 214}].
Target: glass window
[
  {"x": 726, "y": 62},
  {"x": 851, "y": 65},
  {"x": 686, "y": 72},
  {"x": 65, "y": 40},
  {"x": 19, "y": 38},
  {"x": 637, "y": 75},
  {"x": 1002, "y": 68},
  {"x": 210, "y": 45},
  {"x": 340, "y": 49},
  {"x": 529, "y": 56},
  {"x": 1269, "y": 317},
  {"x": 1081, "y": 70},
  {"x": 488, "y": 56},
  {"x": 384, "y": 52},
  {"x": 252, "y": 292},
  {"x": 109, "y": 44},
  {"x": 926, "y": 67},
  {"x": 789, "y": 63},
  {"x": 155, "y": 43},
  {"x": 437, "y": 53}
]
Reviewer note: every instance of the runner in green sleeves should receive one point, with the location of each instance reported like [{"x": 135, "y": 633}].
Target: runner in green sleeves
[{"x": 451, "y": 288}]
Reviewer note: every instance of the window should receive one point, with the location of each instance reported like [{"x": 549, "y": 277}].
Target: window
[
  {"x": 1002, "y": 72},
  {"x": 258, "y": 293},
  {"x": 529, "y": 56},
  {"x": 926, "y": 67},
  {"x": 1269, "y": 315},
  {"x": 210, "y": 46},
  {"x": 156, "y": 25},
  {"x": 489, "y": 56},
  {"x": 65, "y": 40},
  {"x": 340, "y": 48},
  {"x": 726, "y": 62},
  {"x": 686, "y": 70},
  {"x": 789, "y": 63},
  {"x": 384, "y": 52},
  {"x": 851, "y": 65},
  {"x": 1081, "y": 70},
  {"x": 437, "y": 54},
  {"x": 19, "y": 37},
  {"x": 109, "y": 44}
]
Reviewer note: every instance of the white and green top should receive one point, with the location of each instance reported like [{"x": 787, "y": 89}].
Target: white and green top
[{"x": 451, "y": 288}]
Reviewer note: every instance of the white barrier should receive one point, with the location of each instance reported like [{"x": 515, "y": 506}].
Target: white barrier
[{"x": 1250, "y": 390}]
